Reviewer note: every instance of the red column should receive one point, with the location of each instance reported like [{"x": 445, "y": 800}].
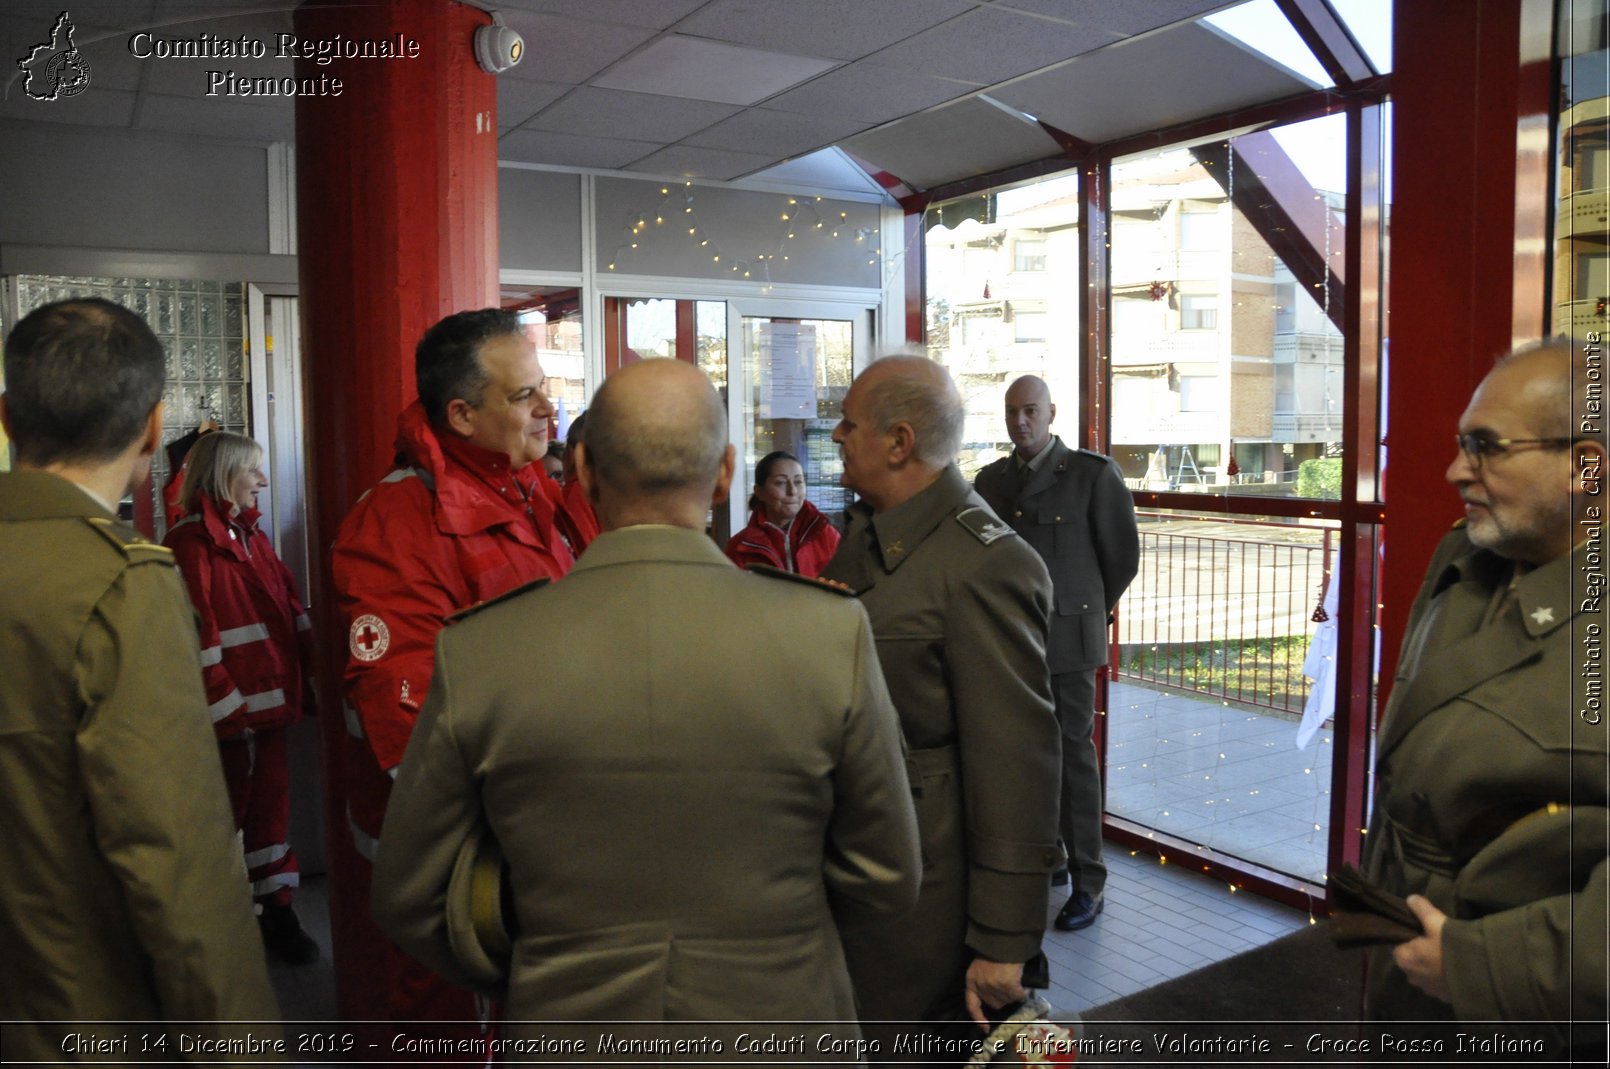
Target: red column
[
  {"x": 1457, "y": 275},
  {"x": 396, "y": 227}
]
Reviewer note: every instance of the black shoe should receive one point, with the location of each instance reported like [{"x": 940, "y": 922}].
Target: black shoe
[
  {"x": 284, "y": 938},
  {"x": 1059, "y": 878},
  {"x": 1079, "y": 911}
]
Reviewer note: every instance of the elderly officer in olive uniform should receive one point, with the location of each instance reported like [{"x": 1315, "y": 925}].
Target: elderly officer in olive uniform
[
  {"x": 959, "y": 605},
  {"x": 1072, "y": 506},
  {"x": 685, "y": 793},
  {"x": 1490, "y": 785},
  {"x": 121, "y": 897}
]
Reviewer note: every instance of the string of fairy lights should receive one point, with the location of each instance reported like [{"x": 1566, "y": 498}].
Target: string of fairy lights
[{"x": 798, "y": 217}]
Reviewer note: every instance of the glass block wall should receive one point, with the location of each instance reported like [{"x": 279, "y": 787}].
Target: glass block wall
[{"x": 202, "y": 328}]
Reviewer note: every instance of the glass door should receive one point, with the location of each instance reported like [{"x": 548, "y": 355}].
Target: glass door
[{"x": 796, "y": 365}]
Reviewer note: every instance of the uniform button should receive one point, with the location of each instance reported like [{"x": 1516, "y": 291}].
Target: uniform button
[
  {"x": 1017, "y": 515},
  {"x": 1059, "y": 519}
]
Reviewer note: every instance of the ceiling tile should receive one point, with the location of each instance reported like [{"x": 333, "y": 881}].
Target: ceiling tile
[
  {"x": 189, "y": 77},
  {"x": 778, "y": 133},
  {"x": 699, "y": 69},
  {"x": 842, "y": 29},
  {"x": 233, "y": 119},
  {"x": 1017, "y": 44},
  {"x": 826, "y": 169},
  {"x": 687, "y": 161},
  {"x": 633, "y": 116},
  {"x": 1150, "y": 83},
  {"x": 956, "y": 141},
  {"x": 93, "y": 107},
  {"x": 1120, "y": 16},
  {"x": 560, "y": 49},
  {"x": 869, "y": 93},
  {"x": 518, "y": 100},
  {"x": 568, "y": 150},
  {"x": 652, "y": 14}
]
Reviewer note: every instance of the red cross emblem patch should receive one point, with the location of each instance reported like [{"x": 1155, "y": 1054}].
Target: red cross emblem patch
[{"x": 368, "y": 638}]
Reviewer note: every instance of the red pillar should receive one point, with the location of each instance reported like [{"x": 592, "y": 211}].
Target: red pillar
[
  {"x": 396, "y": 227},
  {"x": 1460, "y": 271}
]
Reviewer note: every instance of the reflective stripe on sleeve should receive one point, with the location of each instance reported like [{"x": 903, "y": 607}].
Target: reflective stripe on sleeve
[
  {"x": 366, "y": 845},
  {"x": 354, "y": 725},
  {"x": 263, "y": 700},
  {"x": 212, "y": 655},
  {"x": 225, "y": 705},
  {"x": 303, "y": 623},
  {"x": 269, "y": 885},
  {"x": 267, "y": 855},
  {"x": 239, "y": 636}
]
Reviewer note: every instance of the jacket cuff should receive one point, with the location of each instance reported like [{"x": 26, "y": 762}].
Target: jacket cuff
[
  {"x": 1467, "y": 966},
  {"x": 1003, "y": 946}
]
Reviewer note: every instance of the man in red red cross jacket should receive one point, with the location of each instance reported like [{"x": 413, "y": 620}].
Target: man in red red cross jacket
[{"x": 466, "y": 515}]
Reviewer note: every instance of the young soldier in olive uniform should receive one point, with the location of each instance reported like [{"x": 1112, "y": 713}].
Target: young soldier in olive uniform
[
  {"x": 1072, "y": 506},
  {"x": 1490, "y": 783},
  {"x": 122, "y": 896},
  {"x": 959, "y": 606}
]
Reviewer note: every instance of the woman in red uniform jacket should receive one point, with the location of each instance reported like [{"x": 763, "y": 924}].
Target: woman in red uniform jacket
[
  {"x": 256, "y": 664},
  {"x": 785, "y": 531}
]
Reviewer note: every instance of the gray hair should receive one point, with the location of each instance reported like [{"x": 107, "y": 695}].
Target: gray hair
[
  {"x": 918, "y": 391},
  {"x": 212, "y": 466},
  {"x": 647, "y": 443}
]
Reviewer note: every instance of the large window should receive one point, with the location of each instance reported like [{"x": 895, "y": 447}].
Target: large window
[
  {"x": 1002, "y": 272},
  {"x": 1219, "y": 346}
]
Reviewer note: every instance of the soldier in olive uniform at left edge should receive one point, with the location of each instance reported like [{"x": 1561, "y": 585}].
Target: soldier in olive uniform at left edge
[{"x": 121, "y": 900}]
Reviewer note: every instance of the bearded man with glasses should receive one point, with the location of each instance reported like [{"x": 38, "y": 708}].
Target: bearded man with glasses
[{"x": 1490, "y": 785}]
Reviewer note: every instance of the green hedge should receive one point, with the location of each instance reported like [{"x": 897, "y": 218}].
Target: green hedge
[{"x": 1321, "y": 478}]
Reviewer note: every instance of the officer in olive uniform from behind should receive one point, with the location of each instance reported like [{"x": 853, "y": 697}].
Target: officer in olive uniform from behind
[
  {"x": 122, "y": 896},
  {"x": 959, "y": 605}
]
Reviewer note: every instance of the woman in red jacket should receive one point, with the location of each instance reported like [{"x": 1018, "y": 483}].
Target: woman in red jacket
[
  {"x": 785, "y": 531},
  {"x": 256, "y": 664}
]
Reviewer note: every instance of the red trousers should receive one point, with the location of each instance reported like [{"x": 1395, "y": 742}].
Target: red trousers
[{"x": 257, "y": 772}]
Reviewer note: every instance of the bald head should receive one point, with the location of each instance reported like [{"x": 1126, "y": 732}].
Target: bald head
[
  {"x": 656, "y": 446},
  {"x": 1029, "y": 413},
  {"x": 1526, "y": 469},
  {"x": 1549, "y": 382}
]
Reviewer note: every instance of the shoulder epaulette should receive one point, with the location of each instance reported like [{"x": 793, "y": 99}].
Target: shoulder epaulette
[
  {"x": 1460, "y": 522},
  {"x": 135, "y": 548},
  {"x": 984, "y": 525},
  {"x": 816, "y": 584},
  {"x": 1093, "y": 455},
  {"x": 465, "y": 614}
]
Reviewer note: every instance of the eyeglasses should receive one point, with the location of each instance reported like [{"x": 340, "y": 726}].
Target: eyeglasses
[{"x": 1478, "y": 447}]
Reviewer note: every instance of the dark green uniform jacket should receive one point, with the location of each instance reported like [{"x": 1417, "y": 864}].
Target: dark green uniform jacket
[
  {"x": 1483, "y": 734},
  {"x": 122, "y": 896},
  {"x": 959, "y": 606},
  {"x": 679, "y": 796},
  {"x": 1078, "y": 515}
]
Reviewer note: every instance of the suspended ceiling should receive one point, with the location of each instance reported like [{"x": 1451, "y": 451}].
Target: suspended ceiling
[{"x": 927, "y": 91}]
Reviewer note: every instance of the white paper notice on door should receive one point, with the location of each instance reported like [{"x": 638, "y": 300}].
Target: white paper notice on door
[{"x": 787, "y": 371}]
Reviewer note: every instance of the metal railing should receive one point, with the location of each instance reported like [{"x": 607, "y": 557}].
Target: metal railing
[{"x": 1228, "y": 614}]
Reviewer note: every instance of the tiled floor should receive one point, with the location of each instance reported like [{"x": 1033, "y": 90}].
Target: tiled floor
[
  {"x": 1160, "y": 922},
  {"x": 307, "y": 992},
  {"x": 1228, "y": 778}
]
